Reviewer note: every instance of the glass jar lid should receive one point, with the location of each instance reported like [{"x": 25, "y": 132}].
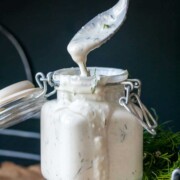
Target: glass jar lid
[{"x": 19, "y": 102}]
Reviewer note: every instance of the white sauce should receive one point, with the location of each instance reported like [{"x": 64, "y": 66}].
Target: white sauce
[
  {"x": 90, "y": 137},
  {"x": 95, "y": 33}
]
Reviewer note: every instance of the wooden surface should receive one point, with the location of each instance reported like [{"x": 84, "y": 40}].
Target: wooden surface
[{"x": 11, "y": 171}]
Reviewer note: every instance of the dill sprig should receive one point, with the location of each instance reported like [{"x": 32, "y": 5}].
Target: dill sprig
[{"x": 161, "y": 154}]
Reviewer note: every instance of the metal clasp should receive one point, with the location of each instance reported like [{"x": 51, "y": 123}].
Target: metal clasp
[
  {"x": 43, "y": 81},
  {"x": 132, "y": 96},
  {"x": 128, "y": 86}
]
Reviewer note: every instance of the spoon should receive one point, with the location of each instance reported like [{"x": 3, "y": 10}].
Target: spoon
[{"x": 96, "y": 32}]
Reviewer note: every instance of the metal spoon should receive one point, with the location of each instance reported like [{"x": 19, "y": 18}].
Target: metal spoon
[{"x": 96, "y": 32}]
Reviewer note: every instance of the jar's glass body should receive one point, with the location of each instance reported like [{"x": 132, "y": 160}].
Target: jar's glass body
[{"x": 89, "y": 136}]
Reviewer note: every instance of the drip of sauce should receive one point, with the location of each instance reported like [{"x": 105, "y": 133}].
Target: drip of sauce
[
  {"x": 95, "y": 33},
  {"x": 91, "y": 36}
]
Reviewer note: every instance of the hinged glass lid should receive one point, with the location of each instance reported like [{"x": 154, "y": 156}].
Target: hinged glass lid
[
  {"x": 22, "y": 100},
  {"x": 19, "y": 102}
]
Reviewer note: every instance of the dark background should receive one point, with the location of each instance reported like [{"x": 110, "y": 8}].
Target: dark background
[{"x": 147, "y": 45}]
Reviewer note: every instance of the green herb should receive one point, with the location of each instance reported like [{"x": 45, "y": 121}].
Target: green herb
[
  {"x": 161, "y": 154},
  {"x": 93, "y": 89},
  {"x": 95, "y": 72},
  {"x": 95, "y": 83},
  {"x": 106, "y": 26}
]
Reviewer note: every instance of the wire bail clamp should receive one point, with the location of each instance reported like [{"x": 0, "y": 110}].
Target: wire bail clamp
[
  {"x": 43, "y": 82},
  {"x": 132, "y": 96}
]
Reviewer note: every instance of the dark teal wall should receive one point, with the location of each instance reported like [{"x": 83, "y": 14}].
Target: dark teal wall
[{"x": 147, "y": 44}]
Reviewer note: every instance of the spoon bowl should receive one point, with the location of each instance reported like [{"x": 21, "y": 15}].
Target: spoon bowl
[{"x": 96, "y": 32}]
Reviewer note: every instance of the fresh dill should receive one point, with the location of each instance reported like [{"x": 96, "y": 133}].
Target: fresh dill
[
  {"x": 161, "y": 154},
  {"x": 106, "y": 26}
]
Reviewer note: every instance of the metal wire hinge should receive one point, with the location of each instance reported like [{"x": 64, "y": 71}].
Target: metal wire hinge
[
  {"x": 132, "y": 96},
  {"x": 43, "y": 81}
]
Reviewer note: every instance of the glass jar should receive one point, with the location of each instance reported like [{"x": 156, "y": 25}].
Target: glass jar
[
  {"x": 93, "y": 130},
  {"x": 86, "y": 134}
]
